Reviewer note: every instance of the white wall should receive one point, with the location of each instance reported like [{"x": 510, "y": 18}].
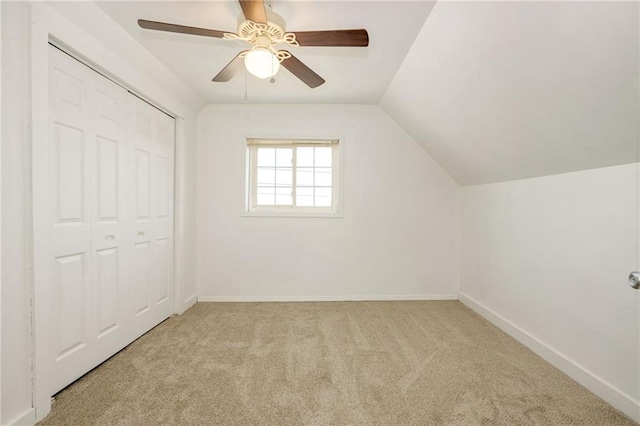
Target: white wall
[
  {"x": 26, "y": 28},
  {"x": 397, "y": 238},
  {"x": 16, "y": 316},
  {"x": 550, "y": 256}
]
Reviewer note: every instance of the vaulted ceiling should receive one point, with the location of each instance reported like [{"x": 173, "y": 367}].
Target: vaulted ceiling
[
  {"x": 493, "y": 91},
  {"x": 499, "y": 91}
]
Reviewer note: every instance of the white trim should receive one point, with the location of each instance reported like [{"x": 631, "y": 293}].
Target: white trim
[
  {"x": 178, "y": 213},
  {"x": 284, "y": 143},
  {"x": 337, "y": 298},
  {"x": 43, "y": 347},
  {"x": 0, "y": 215},
  {"x": 26, "y": 419},
  {"x": 290, "y": 213},
  {"x": 595, "y": 384},
  {"x": 189, "y": 302}
]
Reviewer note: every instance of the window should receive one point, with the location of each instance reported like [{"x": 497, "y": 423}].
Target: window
[{"x": 293, "y": 176}]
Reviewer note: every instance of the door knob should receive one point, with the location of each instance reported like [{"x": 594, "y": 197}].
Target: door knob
[
  {"x": 634, "y": 279},
  {"x": 140, "y": 233},
  {"x": 111, "y": 237}
]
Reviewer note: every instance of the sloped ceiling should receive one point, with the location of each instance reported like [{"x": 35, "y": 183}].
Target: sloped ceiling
[
  {"x": 353, "y": 75},
  {"x": 498, "y": 91},
  {"x": 493, "y": 91}
]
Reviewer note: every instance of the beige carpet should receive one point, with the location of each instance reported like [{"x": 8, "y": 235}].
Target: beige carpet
[{"x": 384, "y": 363}]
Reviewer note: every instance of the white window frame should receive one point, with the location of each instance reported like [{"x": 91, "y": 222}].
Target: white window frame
[{"x": 251, "y": 206}]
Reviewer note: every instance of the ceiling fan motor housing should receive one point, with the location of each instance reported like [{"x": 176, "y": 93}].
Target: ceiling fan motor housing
[
  {"x": 274, "y": 29},
  {"x": 264, "y": 36}
]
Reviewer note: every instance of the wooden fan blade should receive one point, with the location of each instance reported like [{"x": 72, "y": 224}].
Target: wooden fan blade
[
  {"x": 231, "y": 69},
  {"x": 254, "y": 10},
  {"x": 340, "y": 38},
  {"x": 174, "y": 28},
  {"x": 303, "y": 72}
]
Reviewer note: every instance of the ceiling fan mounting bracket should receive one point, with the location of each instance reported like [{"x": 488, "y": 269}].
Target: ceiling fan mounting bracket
[{"x": 263, "y": 35}]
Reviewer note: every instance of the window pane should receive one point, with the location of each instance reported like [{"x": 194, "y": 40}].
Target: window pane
[
  {"x": 323, "y": 176},
  {"x": 266, "y": 176},
  {"x": 304, "y": 197},
  {"x": 304, "y": 176},
  {"x": 284, "y": 157},
  {"x": 283, "y": 196},
  {"x": 266, "y": 157},
  {"x": 323, "y": 197},
  {"x": 304, "y": 157},
  {"x": 323, "y": 157},
  {"x": 274, "y": 180},
  {"x": 265, "y": 196},
  {"x": 284, "y": 176}
]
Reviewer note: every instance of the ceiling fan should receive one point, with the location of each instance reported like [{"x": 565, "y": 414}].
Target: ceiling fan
[{"x": 263, "y": 30}]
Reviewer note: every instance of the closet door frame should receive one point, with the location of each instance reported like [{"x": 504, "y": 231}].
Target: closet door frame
[{"x": 47, "y": 26}]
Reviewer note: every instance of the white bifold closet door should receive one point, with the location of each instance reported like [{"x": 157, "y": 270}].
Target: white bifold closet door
[
  {"x": 150, "y": 204},
  {"x": 111, "y": 209}
]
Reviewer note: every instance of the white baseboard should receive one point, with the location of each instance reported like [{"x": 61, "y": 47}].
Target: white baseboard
[
  {"x": 26, "y": 419},
  {"x": 186, "y": 304},
  {"x": 601, "y": 388},
  {"x": 190, "y": 301},
  {"x": 397, "y": 297}
]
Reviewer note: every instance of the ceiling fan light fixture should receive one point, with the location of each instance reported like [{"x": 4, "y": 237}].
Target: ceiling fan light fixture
[{"x": 261, "y": 62}]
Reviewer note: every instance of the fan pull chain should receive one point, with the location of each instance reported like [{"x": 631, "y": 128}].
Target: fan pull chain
[
  {"x": 272, "y": 80},
  {"x": 246, "y": 97}
]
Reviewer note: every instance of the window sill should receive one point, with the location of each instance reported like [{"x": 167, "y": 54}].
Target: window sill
[{"x": 272, "y": 213}]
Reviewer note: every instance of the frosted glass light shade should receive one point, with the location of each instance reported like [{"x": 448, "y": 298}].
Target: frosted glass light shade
[{"x": 261, "y": 63}]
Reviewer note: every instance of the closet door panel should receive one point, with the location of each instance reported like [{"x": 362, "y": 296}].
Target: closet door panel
[
  {"x": 70, "y": 285},
  {"x": 141, "y": 212},
  {"x": 163, "y": 228},
  {"x": 107, "y": 186},
  {"x": 163, "y": 212},
  {"x": 107, "y": 286},
  {"x": 142, "y": 278},
  {"x": 110, "y": 296},
  {"x": 152, "y": 136},
  {"x": 164, "y": 191},
  {"x": 163, "y": 260},
  {"x": 69, "y": 166},
  {"x": 70, "y": 151},
  {"x": 143, "y": 185},
  {"x": 141, "y": 137},
  {"x": 107, "y": 277}
]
